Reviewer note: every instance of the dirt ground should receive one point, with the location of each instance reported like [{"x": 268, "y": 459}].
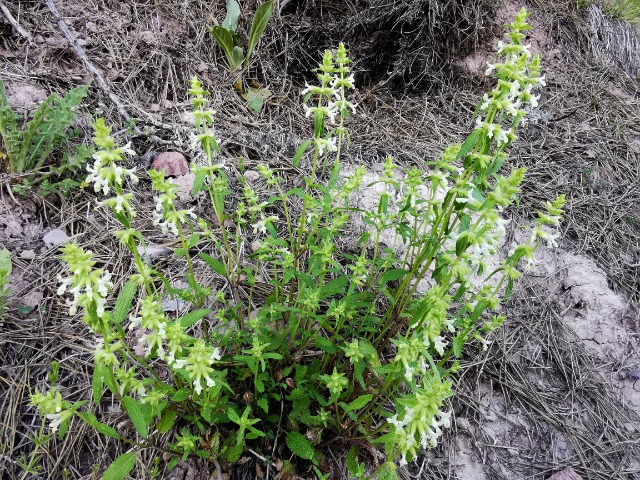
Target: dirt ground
[{"x": 557, "y": 388}]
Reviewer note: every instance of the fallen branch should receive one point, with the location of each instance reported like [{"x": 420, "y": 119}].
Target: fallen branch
[
  {"x": 14, "y": 23},
  {"x": 89, "y": 65}
]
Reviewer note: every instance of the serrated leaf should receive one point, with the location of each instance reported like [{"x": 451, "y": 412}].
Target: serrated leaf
[
  {"x": 192, "y": 317},
  {"x": 215, "y": 265},
  {"x": 258, "y": 26},
  {"x": 300, "y": 152},
  {"x": 230, "y": 21},
  {"x": 468, "y": 144},
  {"x": 97, "y": 383},
  {"x": 5, "y": 262},
  {"x": 359, "y": 403},
  {"x": 123, "y": 303},
  {"x": 181, "y": 395},
  {"x": 167, "y": 420},
  {"x": 139, "y": 414},
  {"x": 121, "y": 467},
  {"x": 335, "y": 286},
  {"x": 300, "y": 445},
  {"x": 391, "y": 275},
  {"x": 325, "y": 345}
]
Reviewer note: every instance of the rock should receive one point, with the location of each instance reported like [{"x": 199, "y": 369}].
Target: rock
[
  {"x": 566, "y": 474},
  {"x": 28, "y": 254},
  {"x": 251, "y": 176},
  {"x": 172, "y": 163},
  {"x": 152, "y": 252},
  {"x": 154, "y": 107},
  {"x": 185, "y": 184},
  {"x": 55, "y": 237}
]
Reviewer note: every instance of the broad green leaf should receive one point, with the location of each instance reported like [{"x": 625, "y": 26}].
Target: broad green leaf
[
  {"x": 167, "y": 420},
  {"x": 237, "y": 55},
  {"x": 193, "y": 240},
  {"x": 300, "y": 445},
  {"x": 225, "y": 41},
  {"x": 457, "y": 344},
  {"x": 230, "y": 22},
  {"x": 468, "y": 144},
  {"x": 181, "y": 395},
  {"x": 123, "y": 303},
  {"x": 325, "y": 345},
  {"x": 352, "y": 459},
  {"x": 121, "y": 467},
  {"x": 335, "y": 286},
  {"x": 263, "y": 403},
  {"x": 300, "y": 152},
  {"x": 391, "y": 275},
  {"x": 255, "y": 98},
  {"x": 139, "y": 414},
  {"x": 216, "y": 265},
  {"x": 359, "y": 403},
  {"x": 97, "y": 383},
  {"x": 258, "y": 26},
  {"x": 192, "y": 317},
  {"x": 233, "y": 454},
  {"x": 5, "y": 262}
]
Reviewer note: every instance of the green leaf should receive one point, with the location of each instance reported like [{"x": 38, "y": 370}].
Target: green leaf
[
  {"x": 230, "y": 22},
  {"x": 167, "y": 420},
  {"x": 192, "y": 317},
  {"x": 234, "y": 453},
  {"x": 461, "y": 245},
  {"x": 139, "y": 414},
  {"x": 352, "y": 459},
  {"x": 181, "y": 395},
  {"x": 216, "y": 265},
  {"x": 225, "y": 40},
  {"x": 359, "y": 403},
  {"x": 123, "y": 303},
  {"x": 468, "y": 144},
  {"x": 91, "y": 420},
  {"x": 255, "y": 98},
  {"x": 97, "y": 383},
  {"x": 121, "y": 467},
  {"x": 193, "y": 240},
  {"x": 258, "y": 26},
  {"x": 458, "y": 342},
  {"x": 300, "y": 152},
  {"x": 263, "y": 403},
  {"x": 198, "y": 182},
  {"x": 335, "y": 286},
  {"x": 325, "y": 345},
  {"x": 300, "y": 445},
  {"x": 391, "y": 275},
  {"x": 5, "y": 262}
]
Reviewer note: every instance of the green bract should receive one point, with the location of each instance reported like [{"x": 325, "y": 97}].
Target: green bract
[{"x": 297, "y": 337}]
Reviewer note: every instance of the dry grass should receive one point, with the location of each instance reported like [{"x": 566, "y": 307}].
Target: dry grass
[{"x": 585, "y": 144}]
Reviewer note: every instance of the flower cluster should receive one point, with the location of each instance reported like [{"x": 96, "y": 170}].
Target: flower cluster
[
  {"x": 51, "y": 405},
  {"x": 105, "y": 174},
  {"x": 517, "y": 75},
  {"x": 166, "y": 215},
  {"x": 88, "y": 285}
]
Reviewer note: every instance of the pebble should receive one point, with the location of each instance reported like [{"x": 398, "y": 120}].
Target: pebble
[
  {"x": 172, "y": 163},
  {"x": 55, "y": 237}
]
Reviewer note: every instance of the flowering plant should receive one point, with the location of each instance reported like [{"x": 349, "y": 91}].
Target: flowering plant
[{"x": 299, "y": 335}]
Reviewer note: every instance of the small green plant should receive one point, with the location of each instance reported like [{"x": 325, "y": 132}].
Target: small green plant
[
  {"x": 27, "y": 148},
  {"x": 226, "y": 37},
  {"x": 298, "y": 343},
  {"x": 5, "y": 273}
]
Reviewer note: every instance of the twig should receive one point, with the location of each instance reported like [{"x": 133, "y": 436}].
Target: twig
[
  {"x": 14, "y": 23},
  {"x": 89, "y": 65}
]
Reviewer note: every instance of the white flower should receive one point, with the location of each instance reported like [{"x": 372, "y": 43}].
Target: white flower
[{"x": 439, "y": 343}]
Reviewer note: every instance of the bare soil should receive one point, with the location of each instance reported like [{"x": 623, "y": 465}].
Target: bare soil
[{"x": 557, "y": 388}]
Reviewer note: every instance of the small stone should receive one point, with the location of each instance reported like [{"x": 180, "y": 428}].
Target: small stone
[
  {"x": 172, "y": 163},
  {"x": 167, "y": 104},
  {"x": 27, "y": 254},
  {"x": 154, "y": 107},
  {"x": 251, "y": 176},
  {"x": 55, "y": 237},
  {"x": 202, "y": 67},
  {"x": 566, "y": 474},
  {"x": 152, "y": 252},
  {"x": 185, "y": 186}
]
